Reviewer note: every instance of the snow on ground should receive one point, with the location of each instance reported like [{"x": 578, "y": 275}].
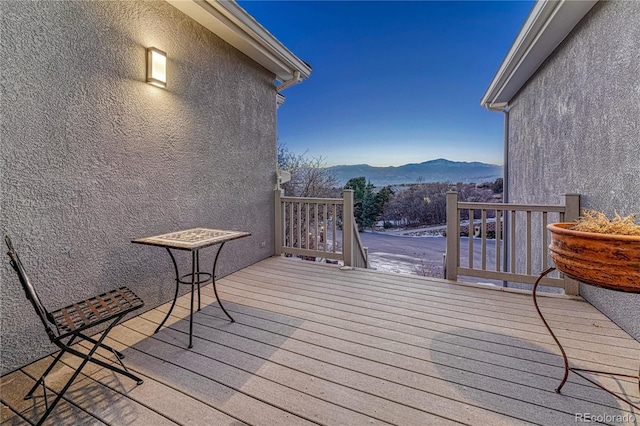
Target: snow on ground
[
  {"x": 405, "y": 254},
  {"x": 391, "y": 262},
  {"x": 431, "y": 231}
]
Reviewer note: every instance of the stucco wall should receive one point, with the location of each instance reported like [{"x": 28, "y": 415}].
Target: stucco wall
[
  {"x": 575, "y": 128},
  {"x": 93, "y": 157}
]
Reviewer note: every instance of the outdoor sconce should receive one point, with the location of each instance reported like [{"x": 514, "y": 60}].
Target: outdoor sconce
[{"x": 156, "y": 67}]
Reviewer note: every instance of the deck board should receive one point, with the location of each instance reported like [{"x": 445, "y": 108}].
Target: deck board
[
  {"x": 429, "y": 311},
  {"x": 350, "y": 373},
  {"x": 411, "y": 374},
  {"x": 328, "y": 344},
  {"x": 314, "y": 344},
  {"x": 481, "y": 306},
  {"x": 385, "y": 320}
]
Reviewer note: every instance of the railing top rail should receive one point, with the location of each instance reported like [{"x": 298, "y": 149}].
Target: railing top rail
[
  {"x": 312, "y": 200},
  {"x": 507, "y": 206}
]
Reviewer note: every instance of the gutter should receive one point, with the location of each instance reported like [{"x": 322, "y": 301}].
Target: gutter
[
  {"x": 292, "y": 81},
  {"x": 233, "y": 24},
  {"x": 505, "y": 195},
  {"x": 548, "y": 24},
  {"x": 505, "y": 165}
]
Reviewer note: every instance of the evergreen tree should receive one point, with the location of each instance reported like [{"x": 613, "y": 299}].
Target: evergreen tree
[
  {"x": 382, "y": 198},
  {"x": 365, "y": 210}
]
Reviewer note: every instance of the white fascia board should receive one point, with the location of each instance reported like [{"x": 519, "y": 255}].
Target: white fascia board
[
  {"x": 548, "y": 24},
  {"x": 234, "y": 25}
]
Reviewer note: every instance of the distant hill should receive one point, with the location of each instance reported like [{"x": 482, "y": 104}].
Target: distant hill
[{"x": 439, "y": 170}]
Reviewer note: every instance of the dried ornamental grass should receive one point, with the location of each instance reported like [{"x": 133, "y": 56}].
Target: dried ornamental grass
[{"x": 595, "y": 221}]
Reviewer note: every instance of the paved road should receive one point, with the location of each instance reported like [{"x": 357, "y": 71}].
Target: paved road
[{"x": 416, "y": 255}]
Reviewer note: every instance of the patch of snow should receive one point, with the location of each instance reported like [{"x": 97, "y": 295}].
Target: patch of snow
[{"x": 397, "y": 263}]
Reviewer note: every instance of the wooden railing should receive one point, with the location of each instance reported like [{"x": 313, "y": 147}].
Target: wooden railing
[
  {"x": 360, "y": 253},
  {"x": 520, "y": 239},
  {"x": 318, "y": 228}
]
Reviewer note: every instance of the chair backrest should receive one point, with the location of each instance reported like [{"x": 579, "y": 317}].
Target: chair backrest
[{"x": 30, "y": 291}]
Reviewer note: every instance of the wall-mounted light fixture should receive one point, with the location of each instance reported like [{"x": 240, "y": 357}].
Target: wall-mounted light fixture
[{"x": 156, "y": 67}]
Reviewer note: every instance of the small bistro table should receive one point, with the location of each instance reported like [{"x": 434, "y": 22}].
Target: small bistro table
[{"x": 193, "y": 240}]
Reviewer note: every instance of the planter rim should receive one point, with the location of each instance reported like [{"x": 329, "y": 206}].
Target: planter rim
[{"x": 562, "y": 228}]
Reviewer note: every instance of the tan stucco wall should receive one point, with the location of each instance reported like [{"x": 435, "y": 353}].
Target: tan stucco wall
[{"x": 93, "y": 157}]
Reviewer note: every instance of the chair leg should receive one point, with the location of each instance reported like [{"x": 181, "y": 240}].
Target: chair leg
[
  {"x": 118, "y": 354},
  {"x": 47, "y": 371},
  {"x": 86, "y": 358},
  {"x": 124, "y": 371}
]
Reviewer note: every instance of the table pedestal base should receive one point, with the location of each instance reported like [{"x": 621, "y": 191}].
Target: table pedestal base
[
  {"x": 567, "y": 367},
  {"x": 195, "y": 281}
]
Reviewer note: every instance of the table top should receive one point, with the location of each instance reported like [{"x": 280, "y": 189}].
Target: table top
[{"x": 192, "y": 239}]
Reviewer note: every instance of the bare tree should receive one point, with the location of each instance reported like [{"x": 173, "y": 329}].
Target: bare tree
[
  {"x": 426, "y": 203},
  {"x": 309, "y": 175}
]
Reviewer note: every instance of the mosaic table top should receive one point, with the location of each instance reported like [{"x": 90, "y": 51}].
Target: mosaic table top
[{"x": 192, "y": 239}]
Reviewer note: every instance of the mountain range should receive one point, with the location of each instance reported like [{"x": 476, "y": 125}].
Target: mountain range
[{"x": 440, "y": 170}]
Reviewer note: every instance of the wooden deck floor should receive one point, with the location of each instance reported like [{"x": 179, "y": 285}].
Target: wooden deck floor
[{"x": 313, "y": 344}]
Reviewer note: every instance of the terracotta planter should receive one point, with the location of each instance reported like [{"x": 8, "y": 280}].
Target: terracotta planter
[{"x": 609, "y": 261}]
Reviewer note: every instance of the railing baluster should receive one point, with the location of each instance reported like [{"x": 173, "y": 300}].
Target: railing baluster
[
  {"x": 544, "y": 241},
  {"x": 483, "y": 230},
  {"x": 307, "y": 232},
  {"x": 325, "y": 228},
  {"x": 328, "y": 228},
  {"x": 285, "y": 228},
  {"x": 471, "y": 228},
  {"x": 283, "y": 224},
  {"x": 497, "y": 235},
  {"x": 317, "y": 221},
  {"x": 291, "y": 235},
  {"x": 529, "y": 243},
  {"x": 334, "y": 219},
  {"x": 512, "y": 246},
  {"x": 298, "y": 223}
]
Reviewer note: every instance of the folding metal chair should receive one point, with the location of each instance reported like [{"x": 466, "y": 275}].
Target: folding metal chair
[{"x": 66, "y": 325}]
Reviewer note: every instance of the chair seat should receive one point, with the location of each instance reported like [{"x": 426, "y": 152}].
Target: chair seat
[{"x": 94, "y": 311}]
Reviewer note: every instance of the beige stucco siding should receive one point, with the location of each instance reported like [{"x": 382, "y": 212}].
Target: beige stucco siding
[
  {"x": 93, "y": 157},
  {"x": 575, "y": 128}
]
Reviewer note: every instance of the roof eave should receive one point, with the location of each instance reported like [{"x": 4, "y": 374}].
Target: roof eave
[
  {"x": 234, "y": 25},
  {"x": 548, "y": 24}
]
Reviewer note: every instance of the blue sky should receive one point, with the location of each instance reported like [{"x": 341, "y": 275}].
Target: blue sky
[{"x": 393, "y": 82}]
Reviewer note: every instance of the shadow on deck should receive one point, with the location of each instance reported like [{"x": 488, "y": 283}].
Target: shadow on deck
[{"x": 313, "y": 344}]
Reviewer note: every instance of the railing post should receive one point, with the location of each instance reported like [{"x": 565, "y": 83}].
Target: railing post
[
  {"x": 453, "y": 235},
  {"x": 347, "y": 227},
  {"x": 571, "y": 213},
  {"x": 572, "y": 207},
  {"x": 278, "y": 222}
]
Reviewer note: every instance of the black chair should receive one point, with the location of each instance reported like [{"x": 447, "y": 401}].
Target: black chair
[{"x": 66, "y": 325}]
